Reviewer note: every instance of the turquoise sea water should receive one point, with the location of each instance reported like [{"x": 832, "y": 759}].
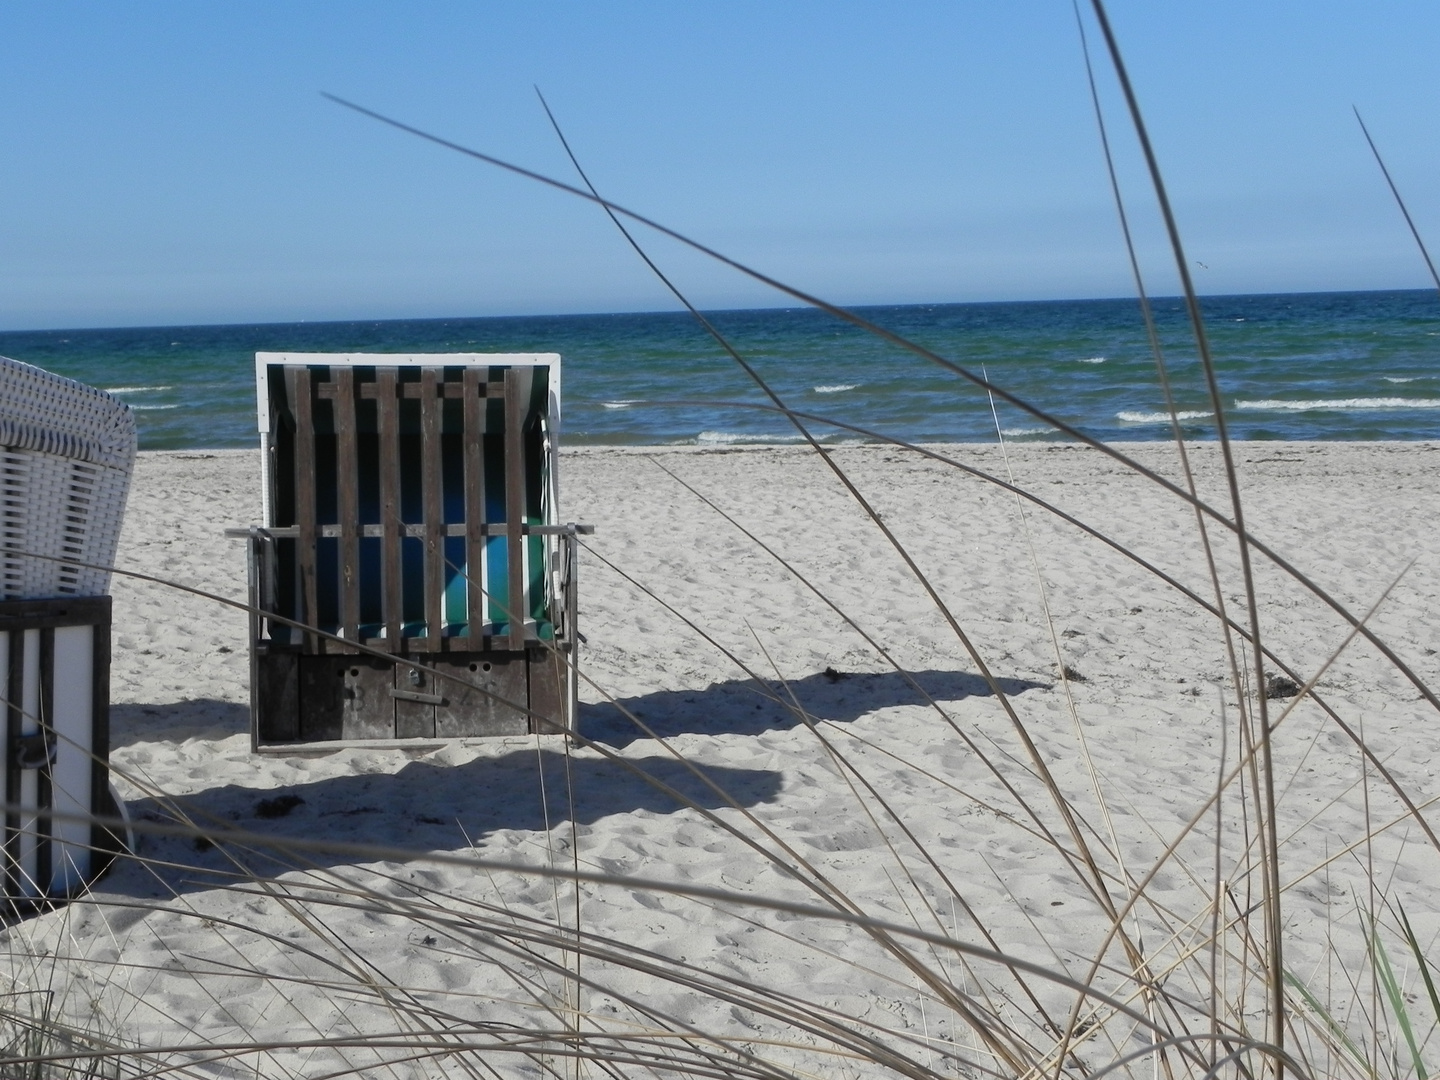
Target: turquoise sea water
[{"x": 1296, "y": 366}]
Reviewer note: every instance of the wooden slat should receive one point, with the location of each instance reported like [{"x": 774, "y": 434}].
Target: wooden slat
[
  {"x": 431, "y": 479},
  {"x": 474, "y": 502},
  {"x": 14, "y": 726},
  {"x": 327, "y": 391},
  {"x": 299, "y": 388},
  {"x": 498, "y": 528},
  {"x": 60, "y": 611},
  {"x": 347, "y": 474},
  {"x": 277, "y": 697},
  {"x": 391, "y": 568},
  {"x": 443, "y": 389},
  {"x": 515, "y": 507},
  {"x": 44, "y": 776}
]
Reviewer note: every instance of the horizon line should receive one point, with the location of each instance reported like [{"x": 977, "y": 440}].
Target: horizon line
[{"x": 682, "y": 312}]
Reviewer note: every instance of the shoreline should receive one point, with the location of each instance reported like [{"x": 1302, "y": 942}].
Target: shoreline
[{"x": 791, "y": 444}]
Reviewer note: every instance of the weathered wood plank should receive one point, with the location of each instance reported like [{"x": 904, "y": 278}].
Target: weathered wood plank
[
  {"x": 443, "y": 389},
  {"x": 474, "y": 385},
  {"x": 347, "y": 476},
  {"x": 299, "y": 388},
  {"x": 488, "y": 699},
  {"x": 547, "y": 676},
  {"x": 326, "y": 391},
  {"x": 346, "y": 697},
  {"x": 277, "y": 697},
  {"x": 367, "y": 710},
  {"x": 499, "y": 528},
  {"x": 515, "y": 508},
  {"x": 431, "y": 480},
  {"x": 14, "y": 727},
  {"x": 392, "y": 598},
  {"x": 321, "y": 696}
]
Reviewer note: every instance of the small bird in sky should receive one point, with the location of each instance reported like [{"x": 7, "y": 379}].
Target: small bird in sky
[{"x": 1201, "y": 265}]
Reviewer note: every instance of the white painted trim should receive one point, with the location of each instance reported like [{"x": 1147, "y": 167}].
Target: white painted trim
[
  {"x": 70, "y": 787},
  {"x": 264, "y": 360}
]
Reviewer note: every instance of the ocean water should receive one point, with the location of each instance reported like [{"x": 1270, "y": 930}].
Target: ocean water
[{"x": 1296, "y": 366}]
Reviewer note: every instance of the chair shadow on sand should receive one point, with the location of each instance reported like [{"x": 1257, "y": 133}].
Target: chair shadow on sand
[
  {"x": 424, "y": 806},
  {"x": 427, "y": 806},
  {"x": 177, "y": 721},
  {"x": 742, "y": 708}
]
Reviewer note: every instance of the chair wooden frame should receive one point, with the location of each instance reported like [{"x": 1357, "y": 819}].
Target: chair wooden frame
[{"x": 54, "y": 756}]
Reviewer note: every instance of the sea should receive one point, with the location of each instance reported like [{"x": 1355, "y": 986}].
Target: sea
[{"x": 1301, "y": 366}]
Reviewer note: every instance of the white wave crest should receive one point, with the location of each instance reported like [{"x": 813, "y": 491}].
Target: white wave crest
[
  {"x": 1090, "y": 360},
  {"x": 1129, "y": 417},
  {"x": 1021, "y": 432},
  {"x": 142, "y": 408},
  {"x": 1345, "y": 404},
  {"x": 137, "y": 389},
  {"x": 837, "y": 388},
  {"x": 725, "y": 438},
  {"x": 619, "y": 404},
  {"x": 1401, "y": 378}
]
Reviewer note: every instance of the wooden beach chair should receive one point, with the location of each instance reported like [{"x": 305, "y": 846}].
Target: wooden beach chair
[
  {"x": 414, "y": 576},
  {"x": 67, "y": 452}
]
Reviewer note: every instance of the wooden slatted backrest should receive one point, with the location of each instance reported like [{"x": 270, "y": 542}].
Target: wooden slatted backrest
[{"x": 380, "y": 478}]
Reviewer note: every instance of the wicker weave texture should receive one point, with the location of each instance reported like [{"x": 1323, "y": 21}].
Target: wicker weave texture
[{"x": 66, "y": 454}]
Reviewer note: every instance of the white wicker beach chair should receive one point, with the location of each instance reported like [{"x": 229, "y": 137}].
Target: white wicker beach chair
[{"x": 66, "y": 454}]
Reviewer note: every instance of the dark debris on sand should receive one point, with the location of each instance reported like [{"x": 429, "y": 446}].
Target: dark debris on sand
[
  {"x": 1278, "y": 688},
  {"x": 278, "y": 807}
]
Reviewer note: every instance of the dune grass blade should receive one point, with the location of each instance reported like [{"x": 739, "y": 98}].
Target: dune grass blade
[
  {"x": 1336, "y": 1030},
  {"x": 1380, "y": 958},
  {"x": 1265, "y": 799},
  {"x": 1421, "y": 963},
  {"x": 1162, "y": 370},
  {"x": 1400, "y": 202}
]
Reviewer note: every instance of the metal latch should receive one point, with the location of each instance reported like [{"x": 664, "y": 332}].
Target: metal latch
[
  {"x": 416, "y": 677},
  {"x": 34, "y": 751}
]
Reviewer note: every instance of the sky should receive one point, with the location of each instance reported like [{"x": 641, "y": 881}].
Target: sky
[{"x": 170, "y": 163}]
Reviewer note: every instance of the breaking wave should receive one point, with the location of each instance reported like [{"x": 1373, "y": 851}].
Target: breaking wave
[
  {"x": 1129, "y": 417},
  {"x": 1343, "y": 404},
  {"x": 725, "y": 438}
]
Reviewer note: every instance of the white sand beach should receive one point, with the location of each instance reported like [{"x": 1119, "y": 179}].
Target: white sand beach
[{"x": 198, "y": 945}]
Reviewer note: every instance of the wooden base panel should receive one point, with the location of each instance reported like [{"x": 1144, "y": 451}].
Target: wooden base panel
[{"x": 306, "y": 699}]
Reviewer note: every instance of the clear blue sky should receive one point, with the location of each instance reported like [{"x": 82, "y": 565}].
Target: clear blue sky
[{"x": 171, "y": 163}]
